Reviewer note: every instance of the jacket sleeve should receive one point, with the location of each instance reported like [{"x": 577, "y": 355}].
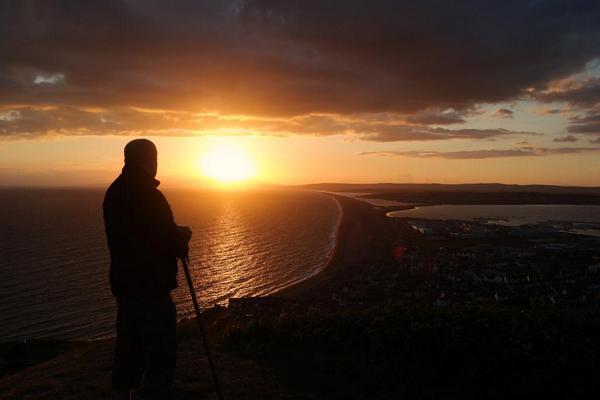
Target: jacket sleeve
[{"x": 157, "y": 226}]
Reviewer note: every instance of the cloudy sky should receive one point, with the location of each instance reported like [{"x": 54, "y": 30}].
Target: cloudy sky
[{"x": 346, "y": 91}]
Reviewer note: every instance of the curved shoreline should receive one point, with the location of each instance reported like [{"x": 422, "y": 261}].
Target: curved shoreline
[
  {"x": 387, "y": 214},
  {"x": 362, "y": 239},
  {"x": 328, "y": 259}
]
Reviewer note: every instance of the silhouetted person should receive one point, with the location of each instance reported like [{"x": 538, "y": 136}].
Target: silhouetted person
[{"x": 144, "y": 244}]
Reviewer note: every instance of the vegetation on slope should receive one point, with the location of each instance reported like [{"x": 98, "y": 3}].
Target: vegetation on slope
[{"x": 428, "y": 353}]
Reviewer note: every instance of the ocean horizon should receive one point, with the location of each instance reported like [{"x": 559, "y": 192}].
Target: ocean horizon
[{"x": 54, "y": 260}]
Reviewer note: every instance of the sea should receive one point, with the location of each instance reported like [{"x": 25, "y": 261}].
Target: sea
[{"x": 54, "y": 261}]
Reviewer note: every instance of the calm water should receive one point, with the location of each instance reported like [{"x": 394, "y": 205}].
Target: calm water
[
  {"x": 54, "y": 261},
  {"x": 574, "y": 218}
]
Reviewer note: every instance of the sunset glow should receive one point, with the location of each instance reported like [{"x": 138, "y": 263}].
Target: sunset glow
[
  {"x": 227, "y": 163},
  {"x": 351, "y": 100}
]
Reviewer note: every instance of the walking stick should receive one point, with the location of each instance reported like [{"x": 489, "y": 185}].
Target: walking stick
[{"x": 213, "y": 371}]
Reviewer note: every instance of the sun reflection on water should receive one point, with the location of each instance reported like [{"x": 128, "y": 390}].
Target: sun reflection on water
[{"x": 250, "y": 243}]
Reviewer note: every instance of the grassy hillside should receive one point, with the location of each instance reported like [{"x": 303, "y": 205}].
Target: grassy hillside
[
  {"x": 430, "y": 353},
  {"x": 383, "y": 353}
]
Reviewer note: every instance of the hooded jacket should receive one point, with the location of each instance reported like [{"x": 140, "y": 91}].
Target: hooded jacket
[{"x": 143, "y": 239}]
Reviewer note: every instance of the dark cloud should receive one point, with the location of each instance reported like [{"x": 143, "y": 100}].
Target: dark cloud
[
  {"x": 544, "y": 111},
  {"x": 595, "y": 141},
  {"x": 588, "y": 124},
  {"x": 392, "y": 133},
  {"x": 503, "y": 113},
  {"x": 481, "y": 154},
  {"x": 436, "y": 117},
  {"x": 566, "y": 139},
  {"x": 294, "y": 57},
  {"x": 584, "y": 96},
  {"x": 27, "y": 121},
  {"x": 584, "y": 93},
  {"x": 33, "y": 122}
]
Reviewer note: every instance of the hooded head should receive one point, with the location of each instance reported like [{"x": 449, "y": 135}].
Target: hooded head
[{"x": 141, "y": 155}]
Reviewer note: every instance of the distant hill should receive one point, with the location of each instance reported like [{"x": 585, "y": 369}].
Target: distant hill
[
  {"x": 506, "y": 197},
  {"x": 438, "y": 187}
]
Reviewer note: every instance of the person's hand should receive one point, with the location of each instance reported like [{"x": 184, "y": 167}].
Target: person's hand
[{"x": 185, "y": 232}]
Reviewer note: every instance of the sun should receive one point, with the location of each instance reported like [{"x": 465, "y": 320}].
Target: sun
[{"x": 226, "y": 163}]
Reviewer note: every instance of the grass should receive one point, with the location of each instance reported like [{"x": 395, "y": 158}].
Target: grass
[
  {"x": 454, "y": 353},
  {"x": 16, "y": 356}
]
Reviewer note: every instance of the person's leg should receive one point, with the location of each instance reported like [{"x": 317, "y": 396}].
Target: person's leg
[
  {"x": 128, "y": 358},
  {"x": 160, "y": 349},
  {"x": 123, "y": 395}
]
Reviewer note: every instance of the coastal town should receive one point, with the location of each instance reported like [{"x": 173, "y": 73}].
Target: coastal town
[{"x": 475, "y": 262}]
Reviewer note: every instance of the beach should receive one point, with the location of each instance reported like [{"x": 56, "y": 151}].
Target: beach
[{"x": 364, "y": 237}]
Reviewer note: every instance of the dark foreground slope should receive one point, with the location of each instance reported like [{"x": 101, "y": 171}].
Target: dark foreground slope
[
  {"x": 383, "y": 353},
  {"x": 84, "y": 373},
  {"x": 427, "y": 353}
]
